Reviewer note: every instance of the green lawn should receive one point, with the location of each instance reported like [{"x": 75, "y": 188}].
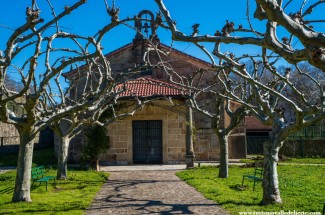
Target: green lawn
[
  {"x": 301, "y": 187},
  {"x": 40, "y": 157},
  {"x": 71, "y": 196},
  {"x": 305, "y": 160}
]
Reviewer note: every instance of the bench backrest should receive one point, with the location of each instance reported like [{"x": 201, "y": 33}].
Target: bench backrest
[
  {"x": 38, "y": 172},
  {"x": 258, "y": 170}
]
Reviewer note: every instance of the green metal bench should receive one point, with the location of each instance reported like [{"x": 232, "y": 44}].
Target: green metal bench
[
  {"x": 257, "y": 176},
  {"x": 38, "y": 176}
]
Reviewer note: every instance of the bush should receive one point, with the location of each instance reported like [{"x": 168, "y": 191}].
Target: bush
[{"x": 97, "y": 143}]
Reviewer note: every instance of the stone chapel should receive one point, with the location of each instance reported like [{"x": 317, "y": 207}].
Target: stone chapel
[{"x": 159, "y": 133}]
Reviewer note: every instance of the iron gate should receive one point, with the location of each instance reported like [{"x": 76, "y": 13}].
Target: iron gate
[
  {"x": 147, "y": 142},
  {"x": 255, "y": 144}
]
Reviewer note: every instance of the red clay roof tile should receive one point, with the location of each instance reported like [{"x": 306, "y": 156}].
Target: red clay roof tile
[{"x": 147, "y": 87}]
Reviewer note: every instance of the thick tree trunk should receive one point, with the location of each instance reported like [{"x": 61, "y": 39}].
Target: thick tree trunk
[
  {"x": 24, "y": 165},
  {"x": 271, "y": 191},
  {"x": 223, "y": 170},
  {"x": 63, "y": 158},
  {"x": 94, "y": 165}
]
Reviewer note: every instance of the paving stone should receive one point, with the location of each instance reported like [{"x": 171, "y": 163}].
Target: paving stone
[{"x": 143, "y": 191}]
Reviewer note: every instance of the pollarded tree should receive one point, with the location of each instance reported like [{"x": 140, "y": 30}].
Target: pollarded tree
[
  {"x": 70, "y": 126},
  {"x": 11, "y": 84},
  {"x": 278, "y": 15},
  {"x": 205, "y": 91},
  {"x": 270, "y": 104},
  {"x": 269, "y": 96},
  {"x": 44, "y": 95},
  {"x": 110, "y": 107},
  {"x": 66, "y": 129},
  {"x": 223, "y": 130}
]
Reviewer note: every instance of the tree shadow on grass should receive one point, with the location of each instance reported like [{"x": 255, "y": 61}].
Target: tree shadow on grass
[
  {"x": 239, "y": 187},
  {"x": 239, "y": 203},
  {"x": 7, "y": 190},
  {"x": 50, "y": 210}
]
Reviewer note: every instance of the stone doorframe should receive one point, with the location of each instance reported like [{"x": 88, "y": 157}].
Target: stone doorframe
[
  {"x": 173, "y": 133},
  {"x": 164, "y": 119}
]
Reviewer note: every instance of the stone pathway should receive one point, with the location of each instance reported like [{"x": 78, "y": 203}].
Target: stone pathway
[{"x": 146, "y": 191}]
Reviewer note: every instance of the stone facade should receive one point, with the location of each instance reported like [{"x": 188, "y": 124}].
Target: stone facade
[
  {"x": 8, "y": 134},
  {"x": 206, "y": 146},
  {"x": 9, "y": 139},
  {"x": 173, "y": 134}
]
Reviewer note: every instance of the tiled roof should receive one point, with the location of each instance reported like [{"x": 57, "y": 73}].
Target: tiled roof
[{"x": 147, "y": 87}]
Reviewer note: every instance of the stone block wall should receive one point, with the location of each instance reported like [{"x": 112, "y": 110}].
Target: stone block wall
[
  {"x": 206, "y": 145},
  {"x": 173, "y": 134},
  {"x": 9, "y": 139},
  {"x": 118, "y": 133},
  {"x": 8, "y": 134},
  {"x": 176, "y": 138}
]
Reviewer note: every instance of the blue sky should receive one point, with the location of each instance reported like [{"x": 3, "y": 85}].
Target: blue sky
[
  {"x": 211, "y": 14},
  {"x": 90, "y": 17}
]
